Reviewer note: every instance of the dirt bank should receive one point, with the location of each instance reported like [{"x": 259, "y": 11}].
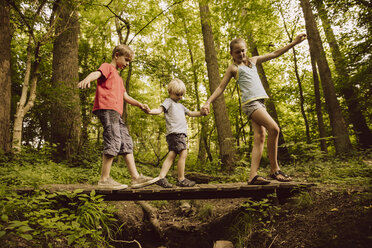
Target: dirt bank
[{"x": 324, "y": 218}]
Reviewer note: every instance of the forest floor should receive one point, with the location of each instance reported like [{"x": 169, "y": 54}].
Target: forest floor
[{"x": 325, "y": 216}]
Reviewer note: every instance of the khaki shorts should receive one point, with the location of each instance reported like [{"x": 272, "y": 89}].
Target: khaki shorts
[
  {"x": 250, "y": 107},
  {"x": 176, "y": 142},
  {"x": 116, "y": 138}
]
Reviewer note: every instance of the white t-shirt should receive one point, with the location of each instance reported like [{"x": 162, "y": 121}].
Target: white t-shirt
[{"x": 175, "y": 118}]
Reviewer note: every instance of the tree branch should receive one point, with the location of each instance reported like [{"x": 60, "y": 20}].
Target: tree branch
[{"x": 153, "y": 19}]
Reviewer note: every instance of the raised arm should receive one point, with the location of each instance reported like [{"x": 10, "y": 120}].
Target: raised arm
[
  {"x": 260, "y": 59},
  {"x": 134, "y": 102},
  {"x": 85, "y": 83},
  {"x": 230, "y": 72}
]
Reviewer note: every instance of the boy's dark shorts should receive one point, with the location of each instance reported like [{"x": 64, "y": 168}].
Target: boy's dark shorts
[
  {"x": 250, "y": 107},
  {"x": 116, "y": 138},
  {"x": 176, "y": 142}
]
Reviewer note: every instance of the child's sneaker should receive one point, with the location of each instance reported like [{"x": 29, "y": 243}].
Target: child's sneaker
[
  {"x": 164, "y": 183},
  {"x": 143, "y": 181},
  {"x": 185, "y": 183},
  {"x": 110, "y": 183}
]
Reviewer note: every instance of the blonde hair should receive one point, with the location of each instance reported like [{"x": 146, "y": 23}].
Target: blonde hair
[
  {"x": 237, "y": 41},
  {"x": 123, "y": 50},
  {"x": 176, "y": 86}
]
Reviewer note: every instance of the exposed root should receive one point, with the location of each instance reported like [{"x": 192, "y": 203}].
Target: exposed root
[{"x": 152, "y": 215}]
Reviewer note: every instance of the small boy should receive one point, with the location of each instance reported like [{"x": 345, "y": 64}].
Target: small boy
[
  {"x": 108, "y": 107},
  {"x": 176, "y": 125}
]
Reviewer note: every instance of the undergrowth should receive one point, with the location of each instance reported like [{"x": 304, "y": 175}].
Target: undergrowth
[
  {"x": 62, "y": 219},
  {"x": 73, "y": 219}
]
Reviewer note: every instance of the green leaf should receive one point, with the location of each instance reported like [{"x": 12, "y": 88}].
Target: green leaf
[
  {"x": 92, "y": 193},
  {"x": 78, "y": 191},
  {"x": 4, "y": 218},
  {"x": 17, "y": 223},
  {"x": 75, "y": 224},
  {"x": 26, "y": 236},
  {"x": 70, "y": 239},
  {"x": 24, "y": 229},
  {"x": 2, "y": 233}
]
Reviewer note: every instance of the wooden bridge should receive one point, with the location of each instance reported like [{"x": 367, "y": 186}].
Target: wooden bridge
[{"x": 199, "y": 191}]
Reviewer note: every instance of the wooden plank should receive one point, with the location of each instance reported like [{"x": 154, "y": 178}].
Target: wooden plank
[{"x": 200, "y": 191}]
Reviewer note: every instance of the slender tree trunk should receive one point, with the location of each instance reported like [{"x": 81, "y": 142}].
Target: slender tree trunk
[
  {"x": 66, "y": 120},
  {"x": 203, "y": 144},
  {"x": 362, "y": 132},
  {"x": 225, "y": 137},
  {"x": 318, "y": 105},
  {"x": 5, "y": 77},
  {"x": 339, "y": 130},
  {"x": 28, "y": 95},
  {"x": 302, "y": 99}
]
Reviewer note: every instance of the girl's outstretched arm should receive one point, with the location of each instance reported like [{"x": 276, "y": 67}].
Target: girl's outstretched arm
[
  {"x": 230, "y": 72},
  {"x": 260, "y": 59}
]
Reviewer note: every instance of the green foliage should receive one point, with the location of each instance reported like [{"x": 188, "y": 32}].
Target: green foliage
[
  {"x": 205, "y": 212},
  {"x": 35, "y": 168},
  {"x": 58, "y": 219},
  {"x": 303, "y": 152},
  {"x": 303, "y": 200},
  {"x": 257, "y": 217},
  {"x": 342, "y": 171}
]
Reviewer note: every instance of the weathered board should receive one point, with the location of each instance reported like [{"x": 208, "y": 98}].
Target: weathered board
[{"x": 199, "y": 191}]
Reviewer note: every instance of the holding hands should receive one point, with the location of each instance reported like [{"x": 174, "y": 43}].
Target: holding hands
[
  {"x": 145, "y": 108},
  {"x": 205, "y": 110}
]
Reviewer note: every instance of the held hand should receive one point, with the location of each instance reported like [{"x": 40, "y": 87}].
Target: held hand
[
  {"x": 205, "y": 109},
  {"x": 300, "y": 38},
  {"x": 84, "y": 84},
  {"x": 145, "y": 108}
]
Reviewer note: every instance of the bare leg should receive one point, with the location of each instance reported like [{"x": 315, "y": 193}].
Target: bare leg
[
  {"x": 262, "y": 118},
  {"x": 129, "y": 160},
  {"x": 106, "y": 167},
  {"x": 181, "y": 165},
  {"x": 258, "y": 145},
  {"x": 167, "y": 164}
]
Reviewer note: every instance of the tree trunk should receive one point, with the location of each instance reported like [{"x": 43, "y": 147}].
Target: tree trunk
[
  {"x": 302, "y": 99},
  {"x": 5, "y": 77},
  {"x": 362, "y": 132},
  {"x": 66, "y": 120},
  {"x": 28, "y": 95},
  {"x": 203, "y": 144},
  {"x": 339, "y": 130},
  {"x": 225, "y": 137},
  {"x": 318, "y": 105}
]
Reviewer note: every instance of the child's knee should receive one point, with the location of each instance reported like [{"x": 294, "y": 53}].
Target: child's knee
[
  {"x": 274, "y": 130},
  {"x": 259, "y": 137}
]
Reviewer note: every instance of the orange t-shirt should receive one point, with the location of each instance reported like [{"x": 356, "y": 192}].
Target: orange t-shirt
[{"x": 110, "y": 89}]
